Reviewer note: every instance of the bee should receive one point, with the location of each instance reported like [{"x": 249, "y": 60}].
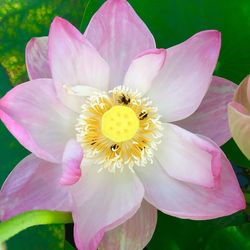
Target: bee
[
  {"x": 143, "y": 115},
  {"x": 114, "y": 147},
  {"x": 124, "y": 99},
  {"x": 93, "y": 142}
]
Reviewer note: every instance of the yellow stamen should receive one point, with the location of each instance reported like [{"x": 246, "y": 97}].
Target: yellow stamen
[
  {"x": 119, "y": 129},
  {"x": 119, "y": 123}
]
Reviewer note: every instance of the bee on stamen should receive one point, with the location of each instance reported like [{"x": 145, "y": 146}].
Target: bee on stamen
[
  {"x": 114, "y": 147},
  {"x": 93, "y": 142},
  {"x": 124, "y": 99},
  {"x": 143, "y": 115}
]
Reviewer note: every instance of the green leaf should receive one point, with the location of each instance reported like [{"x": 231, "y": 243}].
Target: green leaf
[
  {"x": 231, "y": 238},
  {"x": 67, "y": 246},
  {"x": 173, "y": 233},
  {"x": 22, "y": 20},
  {"x": 39, "y": 238}
]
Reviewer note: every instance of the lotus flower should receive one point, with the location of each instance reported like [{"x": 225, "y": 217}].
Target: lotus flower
[
  {"x": 106, "y": 116},
  {"x": 239, "y": 116}
]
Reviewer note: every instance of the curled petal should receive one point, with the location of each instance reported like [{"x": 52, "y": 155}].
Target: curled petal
[
  {"x": 33, "y": 184},
  {"x": 210, "y": 119},
  {"x": 187, "y": 157},
  {"x": 40, "y": 122},
  {"x": 37, "y": 61},
  {"x": 119, "y": 35},
  {"x": 186, "y": 75},
  {"x": 107, "y": 198},
  {"x": 185, "y": 200},
  {"x": 135, "y": 233},
  {"x": 72, "y": 159},
  {"x": 144, "y": 68}
]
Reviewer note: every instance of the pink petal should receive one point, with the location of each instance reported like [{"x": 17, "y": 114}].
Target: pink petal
[
  {"x": 102, "y": 201},
  {"x": 186, "y": 76},
  {"x": 74, "y": 61},
  {"x": 210, "y": 119},
  {"x": 239, "y": 123},
  {"x": 39, "y": 121},
  {"x": 187, "y": 157},
  {"x": 33, "y": 184},
  {"x": 72, "y": 159},
  {"x": 135, "y": 233},
  {"x": 185, "y": 200},
  {"x": 119, "y": 35},
  {"x": 144, "y": 68},
  {"x": 37, "y": 62}
]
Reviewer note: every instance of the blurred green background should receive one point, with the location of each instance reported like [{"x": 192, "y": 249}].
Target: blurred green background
[{"x": 171, "y": 22}]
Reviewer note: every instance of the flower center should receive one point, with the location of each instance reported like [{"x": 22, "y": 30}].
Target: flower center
[
  {"x": 119, "y": 129},
  {"x": 119, "y": 123}
]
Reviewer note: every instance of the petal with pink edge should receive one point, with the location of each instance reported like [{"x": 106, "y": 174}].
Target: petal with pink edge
[
  {"x": 143, "y": 69},
  {"x": 210, "y": 119},
  {"x": 37, "y": 61},
  {"x": 33, "y": 184},
  {"x": 119, "y": 35},
  {"x": 186, "y": 75},
  {"x": 135, "y": 233},
  {"x": 40, "y": 122},
  {"x": 74, "y": 61},
  {"x": 185, "y": 200},
  {"x": 187, "y": 157},
  {"x": 72, "y": 159},
  {"x": 101, "y": 202},
  {"x": 239, "y": 123}
]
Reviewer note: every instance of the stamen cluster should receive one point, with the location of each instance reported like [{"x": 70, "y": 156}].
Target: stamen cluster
[{"x": 116, "y": 154}]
